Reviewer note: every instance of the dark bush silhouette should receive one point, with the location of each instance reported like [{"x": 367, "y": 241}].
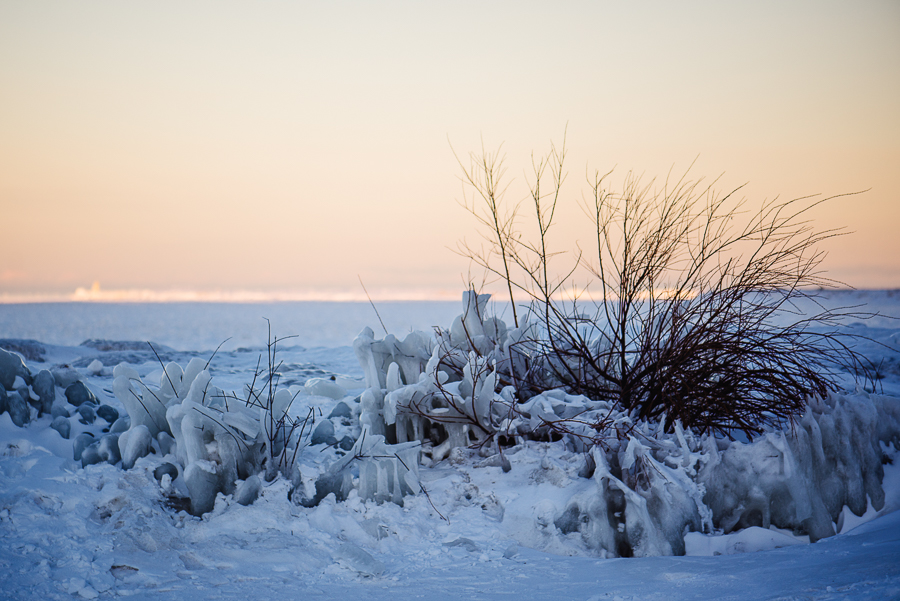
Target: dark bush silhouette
[{"x": 684, "y": 306}]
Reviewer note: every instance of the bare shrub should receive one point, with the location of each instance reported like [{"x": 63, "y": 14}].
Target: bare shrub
[
  {"x": 278, "y": 427},
  {"x": 683, "y": 306}
]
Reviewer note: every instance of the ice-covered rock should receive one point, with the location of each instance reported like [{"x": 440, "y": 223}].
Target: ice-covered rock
[
  {"x": 120, "y": 425},
  {"x": 107, "y": 413},
  {"x": 323, "y": 433},
  {"x": 65, "y": 375},
  {"x": 44, "y": 386},
  {"x": 32, "y": 350},
  {"x": 340, "y": 410},
  {"x": 337, "y": 482},
  {"x": 95, "y": 367},
  {"x": 82, "y": 441},
  {"x": 106, "y": 449},
  {"x": 19, "y": 410},
  {"x": 26, "y": 393},
  {"x": 87, "y": 413},
  {"x": 59, "y": 410},
  {"x": 163, "y": 469},
  {"x": 12, "y": 365},
  {"x": 62, "y": 425},
  {"x": 78, "y": 394}
]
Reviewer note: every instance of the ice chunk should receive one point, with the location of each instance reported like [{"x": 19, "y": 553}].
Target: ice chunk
[
  {"x": 170, "y": 382},
  {"x": 95, "y": 367},
  {"x": 749, "y": 540},
  {"x": 248, "y": 490},
  {"x": 372, "y": 356},
  {"x": 392, "y": 379},
  {"x": 243, "y": 422},
  {"x": 355, "y": 558},
  {"x": 166, "y": 443},
  {"x": 325, "y": 387},
  {"x": 386, "y": 472},
  {"x": 125, "y": 370},
  {"x": 195, "y": 367}
]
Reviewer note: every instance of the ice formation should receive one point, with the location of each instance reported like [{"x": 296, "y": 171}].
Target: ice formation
[{"x": 801, "y": 479}]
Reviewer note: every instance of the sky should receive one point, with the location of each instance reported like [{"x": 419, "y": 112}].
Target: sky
[{"x": 230, "y": 150}]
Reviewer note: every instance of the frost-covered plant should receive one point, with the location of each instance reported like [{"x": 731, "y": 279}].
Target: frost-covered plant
[
  {"x": 226, "y": 442},
  {"x": 452, "y": 390},
  {"x": 218, "y": 438},
  {"x": 279, "y": 448},
  {"x": 215, "y": 441},
  {"x": 440, "y": 390}
]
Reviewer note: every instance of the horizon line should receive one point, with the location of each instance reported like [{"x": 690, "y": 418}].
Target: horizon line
[{"x": 144, "y": 295}]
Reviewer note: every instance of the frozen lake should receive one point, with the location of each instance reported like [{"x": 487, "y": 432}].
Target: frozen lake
[{"x": 201, "y": 326}]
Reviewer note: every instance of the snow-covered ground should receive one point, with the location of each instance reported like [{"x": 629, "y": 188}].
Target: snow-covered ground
[{"x": 479, "y": 533}]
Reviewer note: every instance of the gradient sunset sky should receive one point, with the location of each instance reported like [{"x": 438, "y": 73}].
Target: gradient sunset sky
[{"x": 286, "y": 148}]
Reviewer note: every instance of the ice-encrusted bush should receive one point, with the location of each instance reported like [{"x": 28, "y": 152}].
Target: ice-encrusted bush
[
  {"x": 648, "y": 482},
  {"x": 216, "y": 438},
  {"x": 226, "y": 442},
  {"x": 440, "y": 390},
  {"x": 655, "y": 486}
]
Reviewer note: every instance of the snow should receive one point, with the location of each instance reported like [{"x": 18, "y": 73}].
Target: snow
[{"x": 482, "y": 525}]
